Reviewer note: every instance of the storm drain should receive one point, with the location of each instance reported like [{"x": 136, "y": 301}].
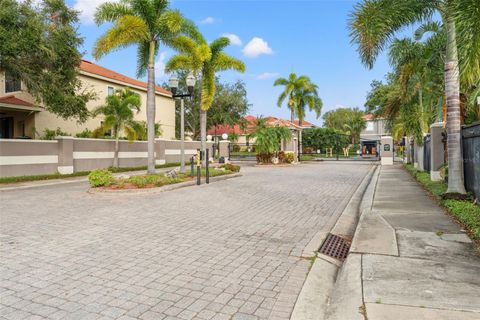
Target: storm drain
[{"x": 335, "y": 247}]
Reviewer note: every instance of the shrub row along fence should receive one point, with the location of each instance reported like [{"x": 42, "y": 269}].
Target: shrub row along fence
[
  {"x": 68, "y": 155},
  {"x": 471, "y": 157}
]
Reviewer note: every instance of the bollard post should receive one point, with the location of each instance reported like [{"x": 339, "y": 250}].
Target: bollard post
[
  {"x": 207, "y": 172},
  {"x": 199, "y": 167},
  {"x": 192, "y": 168}
]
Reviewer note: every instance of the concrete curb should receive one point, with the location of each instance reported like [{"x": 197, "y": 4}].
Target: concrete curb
[
  {"x": 347, "y": 292},
  {"x": 313, "y": 300},
  {"x": 170, "y": 187}
]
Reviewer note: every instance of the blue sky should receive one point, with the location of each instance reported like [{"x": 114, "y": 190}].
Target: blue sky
[{"x": 277, "y": 37}]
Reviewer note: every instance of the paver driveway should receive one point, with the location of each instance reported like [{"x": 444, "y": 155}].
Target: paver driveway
[{"x": 228, "y": 250}]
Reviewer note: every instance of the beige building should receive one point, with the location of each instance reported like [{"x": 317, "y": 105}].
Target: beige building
[{"x": 22, "y": 117}]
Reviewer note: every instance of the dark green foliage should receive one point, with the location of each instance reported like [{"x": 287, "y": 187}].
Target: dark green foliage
[
  {"x": 229, "y": 106},
  {"x": 50, "y": 134},
  {"x": 100, "y": 178},
  {"x": 314, "y": 139},
  {"x": 268, "y": 140},
  {"x": 41, "y": 47},
  {"x": 86, "y": 133},
  {"x": 338, "y": 118}
]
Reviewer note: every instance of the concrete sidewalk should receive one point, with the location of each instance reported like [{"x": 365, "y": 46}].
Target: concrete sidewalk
[{"x": 408, "y": 259}]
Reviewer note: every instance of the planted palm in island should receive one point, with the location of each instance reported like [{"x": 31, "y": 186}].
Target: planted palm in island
[{"x": 104, "y": 179}]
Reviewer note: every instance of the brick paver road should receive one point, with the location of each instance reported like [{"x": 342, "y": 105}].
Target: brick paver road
[{"x": 230, "y": 250}]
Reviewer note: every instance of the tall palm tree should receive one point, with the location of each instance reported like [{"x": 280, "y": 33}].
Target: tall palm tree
[
  {"x": 373, "y": 24},
  {"x": 204, "y": 60},
  {"x": 118, "y": 112},
  {"x": 146, "y": 24},
  {"x": 293, "y": 86},
  {"x": 307, "y": 96}
]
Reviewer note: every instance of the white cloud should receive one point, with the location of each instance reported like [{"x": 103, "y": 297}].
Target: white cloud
[
  {"x": 87, "y": 9},
  {"x": 267, "y": 75},
  {"x": 160, "y": 66},
  {"x": 234, "y": 39},
  {"x": 256, "y": 47},
  {"x": 208, "y": 20}
]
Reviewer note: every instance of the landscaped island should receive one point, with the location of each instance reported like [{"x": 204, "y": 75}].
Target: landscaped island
[{"x": 104, "y": 179}]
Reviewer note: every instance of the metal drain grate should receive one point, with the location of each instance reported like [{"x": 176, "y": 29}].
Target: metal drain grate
[{"x": 335, "y": 247}]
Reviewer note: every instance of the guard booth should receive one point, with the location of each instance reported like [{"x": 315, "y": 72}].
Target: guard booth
[{"x": 386, "y": 153}]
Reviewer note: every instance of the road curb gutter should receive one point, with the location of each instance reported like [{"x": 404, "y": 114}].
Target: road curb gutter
[{"x": 316, "y": 292}]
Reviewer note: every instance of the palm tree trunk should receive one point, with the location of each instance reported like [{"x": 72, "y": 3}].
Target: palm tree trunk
[
  {"x": 292, "y": 115},
  {"x": 115, "y": 155},
  {"x": 151, "y": 109},
  {"x": 203, "y": 134},
  {"x": 452, "y": 90}
]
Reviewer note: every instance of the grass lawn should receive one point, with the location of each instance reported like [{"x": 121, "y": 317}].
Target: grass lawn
[
  {"x": 466, "y": 212},
  {"x": 4, "y": 180}
]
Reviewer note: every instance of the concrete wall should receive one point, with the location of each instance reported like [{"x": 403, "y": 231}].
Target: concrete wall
[{"x": 67, "y": 154}]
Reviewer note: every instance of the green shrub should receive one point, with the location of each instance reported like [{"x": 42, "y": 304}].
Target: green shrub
[
  {"x": 50, "y": 134},
  {"x": 236, "y": 148},
  {"x": 289, "y": 157},
  {"x": 231, "y": 167},
  {"x": 158, "y": 180},
  {"x": 85, "y": 134},
  {"x": 466, "y": 212},
  {"x": 100, "y": 178}
]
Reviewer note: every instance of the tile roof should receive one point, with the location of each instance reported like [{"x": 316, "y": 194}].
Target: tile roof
[
  {"x": 15, "y": 101},
  {"x": 90, "y": 67},
  {"x": 304, "y": 123},
  {"x": 250, "y": 127}
]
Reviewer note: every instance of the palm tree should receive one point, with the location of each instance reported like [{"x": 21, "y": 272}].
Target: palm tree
[
  {"x": 118, "y": 112},
  {"x": 373, "y": 24},
  {"x": 356, "y": 124},
  {"x": 146, "y": 24},
  {"x": 296, "y": 88},
  {"x": 204, "y": 60},
  {"x": 307, "y": 96}
]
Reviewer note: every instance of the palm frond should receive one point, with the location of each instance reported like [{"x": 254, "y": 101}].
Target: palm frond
[
  {"x": 374, "y": 23},
  {"x": 127, "y": 31},
  {"x": 169, "y": 24},
  {"x": 218, "y": 45},
  {"x": 467, "y": 23},
  {"x": 111, "y": 12},
  {"x": 178, "y": 62},
  {"x": 226, "y": 62}
]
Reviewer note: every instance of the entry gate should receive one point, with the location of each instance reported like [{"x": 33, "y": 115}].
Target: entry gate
[
  {"x": 242, "y": 152},
  {"x": 338, "y": 147}
]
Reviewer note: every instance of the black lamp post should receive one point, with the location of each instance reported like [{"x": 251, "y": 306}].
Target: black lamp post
[{"x": 173, "y": 84}]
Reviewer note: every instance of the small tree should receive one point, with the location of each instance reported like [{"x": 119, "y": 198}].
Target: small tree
[
  {"x": 118, "y": 111},
  {"x": 268, "y": 140}
]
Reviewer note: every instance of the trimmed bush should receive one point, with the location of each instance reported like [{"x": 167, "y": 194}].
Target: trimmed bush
[
  {"x": 289, "y": 157},
  {"x": 100, "y": 178},
  {"x": 231, "y": 167}
]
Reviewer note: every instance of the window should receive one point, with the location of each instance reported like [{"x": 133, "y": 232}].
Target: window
[
  {"x": 111, "y": 91},
  {"x": 12, "y": 84},
  {"x": 370, "y": 126}
]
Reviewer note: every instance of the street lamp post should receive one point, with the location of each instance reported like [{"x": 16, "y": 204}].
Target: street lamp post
[{"x": 173, "y": 84}]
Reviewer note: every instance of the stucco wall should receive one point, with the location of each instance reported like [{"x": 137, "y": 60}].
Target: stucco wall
[
  {"x": 165, "y": 109},
  {"x": 68, "y": 154}
]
